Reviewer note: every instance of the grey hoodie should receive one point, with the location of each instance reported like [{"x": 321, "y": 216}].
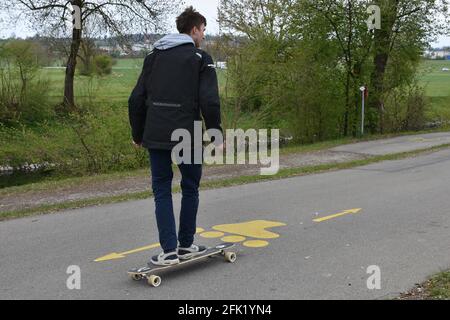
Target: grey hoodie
[{"x": 172, "y": 41}]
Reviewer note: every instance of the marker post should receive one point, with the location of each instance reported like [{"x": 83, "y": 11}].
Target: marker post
[{"x": 363, "y": 93}]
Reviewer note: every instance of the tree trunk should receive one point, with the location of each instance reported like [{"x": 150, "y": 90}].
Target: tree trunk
[
  {"x": 382, "y": 46},
  {"x": 377, "y": 102},
  {"x": 349, "y": 67},
  {"x": 347, "y": 105},
  {"x": 69, "y": 99}
]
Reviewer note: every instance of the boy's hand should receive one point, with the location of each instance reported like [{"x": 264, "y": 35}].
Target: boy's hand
[{"x": 137, "y": 145}]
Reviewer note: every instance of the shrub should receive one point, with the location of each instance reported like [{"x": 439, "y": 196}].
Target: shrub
[
  {"x": 103, "y": 65},
  {"x": 23, "y": 94},
  {"x": 405, "y": 109},
  {"x": 88, "y": 143},
  {"x": 286, "y": 86}
]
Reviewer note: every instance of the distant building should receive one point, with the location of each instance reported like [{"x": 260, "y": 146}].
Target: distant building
[
  {"x": 438, "y": 54},
  {"x": 221, "y": 65},
  {"x": 112, "y": 48},
  {"x": 133, "y": 49},
  {"x": 138, "y": 47}
]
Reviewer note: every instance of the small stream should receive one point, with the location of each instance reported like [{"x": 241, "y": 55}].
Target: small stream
[{"x": 27, "y": 173}]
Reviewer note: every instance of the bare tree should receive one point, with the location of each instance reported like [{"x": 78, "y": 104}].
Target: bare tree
[
  {"x": 112, "y": 17},
  {"x": 254, "y": 18}
]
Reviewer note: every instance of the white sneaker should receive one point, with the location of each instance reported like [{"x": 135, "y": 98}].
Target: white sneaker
[
  {"x": 191, "y": 252},
  {"x": 165, "y": 259}
]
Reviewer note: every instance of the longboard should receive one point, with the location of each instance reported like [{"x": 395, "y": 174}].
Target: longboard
[{"x": 150, "y": 272}]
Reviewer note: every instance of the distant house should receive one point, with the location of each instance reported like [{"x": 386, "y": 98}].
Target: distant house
[
  {"x": 133, "y": 49},
  {"x": 138, "y": 47},
  {"x": 112, "y": 48},
  {"x": 221, "y": 65},
  {"x": 438, "y": 54}
]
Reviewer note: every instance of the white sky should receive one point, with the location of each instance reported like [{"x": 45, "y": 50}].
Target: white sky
[{"x": 206, "y": 7}]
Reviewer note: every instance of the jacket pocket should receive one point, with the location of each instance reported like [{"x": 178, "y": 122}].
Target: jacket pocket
[
  {"x": 164, "y": 117},
  {"x": 166, "y": 104}
]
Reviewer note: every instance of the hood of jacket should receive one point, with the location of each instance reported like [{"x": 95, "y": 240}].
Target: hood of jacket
[{"x": 172, "y": 41}]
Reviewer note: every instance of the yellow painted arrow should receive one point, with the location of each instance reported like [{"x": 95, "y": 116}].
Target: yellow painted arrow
[
  {"x": 115, "y": 255},
  {"x": 337, "y": 215}
]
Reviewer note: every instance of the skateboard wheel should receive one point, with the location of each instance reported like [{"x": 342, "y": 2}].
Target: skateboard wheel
[
  {"x": 230, "y": 257},
  {"x": 136, "y": 277},
  {"x": 154, "y": 281}
]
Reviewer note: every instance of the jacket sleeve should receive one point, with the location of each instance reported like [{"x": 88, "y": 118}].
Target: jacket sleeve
[
  {"x": 137, "y": 110},
  {"x": 209, "y": 94}
]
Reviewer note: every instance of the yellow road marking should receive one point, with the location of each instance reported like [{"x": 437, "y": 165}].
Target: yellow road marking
[
  {"x": 337, "y": 215},
  {"x": 256, "y": 243},
  {"x": 239, "y": 231},
  {"x": 115, "y": 255},
  {"x": 233, "y": 239},
  {"x": 212, "y": 235},
  {"x": 253, "y": 229}
]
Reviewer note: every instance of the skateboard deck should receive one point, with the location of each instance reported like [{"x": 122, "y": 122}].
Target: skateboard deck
[{"x": 150, "y": 272}]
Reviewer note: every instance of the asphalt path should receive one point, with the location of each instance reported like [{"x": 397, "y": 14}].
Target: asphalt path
[{"x": 318, "y": 250}]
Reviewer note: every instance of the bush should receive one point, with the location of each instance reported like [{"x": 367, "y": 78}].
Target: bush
[
  {"x": 86, "y": 67},
  {"x": 23, "y": 95},
  {"x": 93, "y": 142},
  {"x": 405, "y": 109},
  {"x": 103, "y": 65},
  {"x": 284, "y": 85},
  {"x": 104, "y": 140}
]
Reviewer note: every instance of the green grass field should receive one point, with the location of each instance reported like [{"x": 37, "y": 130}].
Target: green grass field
[
  {"x": 437, "y": 87},
  {"x": 114, "y": 88},
  {"x": 436, "y": 81},
  {"x": 117, "y": 87}
]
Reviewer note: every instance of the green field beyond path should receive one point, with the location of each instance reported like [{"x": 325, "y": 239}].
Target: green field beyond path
[
  {"x": 437, "y": 87},
  {"x": 117, "y": 87}
]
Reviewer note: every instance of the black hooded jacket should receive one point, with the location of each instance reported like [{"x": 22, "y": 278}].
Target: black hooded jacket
[{"x": 177, "y": 86}]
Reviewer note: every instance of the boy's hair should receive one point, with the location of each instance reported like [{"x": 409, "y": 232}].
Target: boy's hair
[{"x": 189, "y": 19}]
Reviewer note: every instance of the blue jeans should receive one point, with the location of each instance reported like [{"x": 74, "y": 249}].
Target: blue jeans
[{"x": 162, "y": 175}]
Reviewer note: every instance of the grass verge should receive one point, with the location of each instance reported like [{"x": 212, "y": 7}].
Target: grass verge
[
  {"x": 440, "y": 286},
  {"x": 282, "y": 174},
  {"x": 435, "y": 288}
]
